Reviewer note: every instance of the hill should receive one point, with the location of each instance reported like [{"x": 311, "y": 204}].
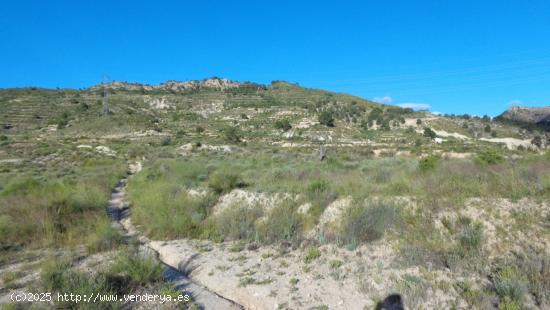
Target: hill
[
  {"x": 272, "y": 195},
  {"x": 528, "y": 117}
]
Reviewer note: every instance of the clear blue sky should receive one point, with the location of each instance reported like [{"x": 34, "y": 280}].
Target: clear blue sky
[{"x": 456, "y": 56}]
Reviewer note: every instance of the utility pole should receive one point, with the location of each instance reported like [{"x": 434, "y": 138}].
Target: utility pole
[{"x": 105, "y": 83}]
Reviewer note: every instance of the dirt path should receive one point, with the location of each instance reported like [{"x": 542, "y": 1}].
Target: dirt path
[{"x": 117, "y": 209}]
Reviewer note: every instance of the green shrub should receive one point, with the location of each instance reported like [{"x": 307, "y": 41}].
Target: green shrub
[
  {"x": 317, "y": 187},
  {"x": 283, "y": 223},
  {"x": 535, "y": 267},
  {"x": 428, "y": 163},
  {"x": 237, "y": 223},
  {"x": 320, "y": 194},
  {"x": 8, "y": 229},
  {"x": 327, "y": 118},
  {"x": 104, "y": 237},
  {"x": 429, "y": 133},
  {"x": 283, "y": 124},
  {"x": 57, "y": 276},
  {"x": 471, "y": 238},
  {"x": 223, "y": 181},
  {"x": 166, "y": 141},
  {"x": 63, "y": 121},
  {"x": 138, "y": 268},
  {"x": 490, "y": 157},
  {"x": 232, "y": 134},
  {"x": 164, "y": 210},
  {"x": 335, "y": 264},
  {"x": 364, "y": 223},
  {"x": 312, "y": 254},
  {"x": 509, "y": 286}
]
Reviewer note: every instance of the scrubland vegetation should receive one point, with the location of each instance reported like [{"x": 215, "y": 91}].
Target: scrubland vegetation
[
  {"x": 48, "y": 210},
  {"x": 392, "y": 198},
  {"x": 276, "y": 167},
  {"x": 435, "y": 184}
]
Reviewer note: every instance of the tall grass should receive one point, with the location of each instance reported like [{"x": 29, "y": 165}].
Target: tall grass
[
  {"x": 138, "y": 268},
  {"x": 368, "y": 221},
  {"x": 57, "y": 276},
  {"x": 283, "y": 223},
  {"x": 129, "y": 271},
  {"x": 165, "y": 210},
  {"x": 57, "y": 211},
  {"x": 237, "y": 223}
]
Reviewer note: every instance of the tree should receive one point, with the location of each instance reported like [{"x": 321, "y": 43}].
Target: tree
[
  {"x": 418, "y": 122},
  {"x": 283, "y": 124},
  {"x": 326, "y": 118},
  {"x": 429, "y": 133},
  {"x": 487, "y": 128}
]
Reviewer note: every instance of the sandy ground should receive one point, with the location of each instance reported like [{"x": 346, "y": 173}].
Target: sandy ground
[{"x": 511, "y": 143}]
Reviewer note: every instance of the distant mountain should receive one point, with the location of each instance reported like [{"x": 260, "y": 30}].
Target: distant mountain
[{"x": 528, "y": 116}]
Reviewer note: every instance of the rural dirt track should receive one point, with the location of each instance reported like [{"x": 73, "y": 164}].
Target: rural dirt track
[{"x": 117, "y": 209}]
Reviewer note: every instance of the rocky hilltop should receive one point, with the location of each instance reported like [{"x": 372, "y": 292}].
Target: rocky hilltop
[
  {"x": 174, "y": 86},
  {"x": 532, "y": 115}
]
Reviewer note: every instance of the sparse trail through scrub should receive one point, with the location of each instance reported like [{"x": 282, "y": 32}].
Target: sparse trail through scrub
[{"x": 118, "y": 211}]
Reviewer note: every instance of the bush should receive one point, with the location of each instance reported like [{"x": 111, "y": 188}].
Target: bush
[
  {"x": 63, "y": 120},
  {"x": 232, "y": 134},
  {"x": 166, "y": 141},
  {"x": 164, "y": 210},
  {"x": 428, "y": 163},
  {"x": 509, "y": 286},
  {"x": 237, "y": 223},
  {"x": 283, "y": 124},
  {"x": 364, "y": 223},
  {"x": 283, "y": 223},
  {"x": 223, "y": 182},
  {"x": 490, "y": 157},
  {"x": 535, "y": 267},
  {"x": 312, "y": 254},
  {"x": 104, "y": 237},
  {"x": 57, "y": 276},
  {"x": 138, "y": 268},
  {"x": 317, "y": 187},
  {"x": 429, "y": 133},
  {"x": 8, "y": 230},
  {"x": 471, "y": 238},
  {"x": 537, "y": 141},
  {"x": 326, "y": 118}
]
